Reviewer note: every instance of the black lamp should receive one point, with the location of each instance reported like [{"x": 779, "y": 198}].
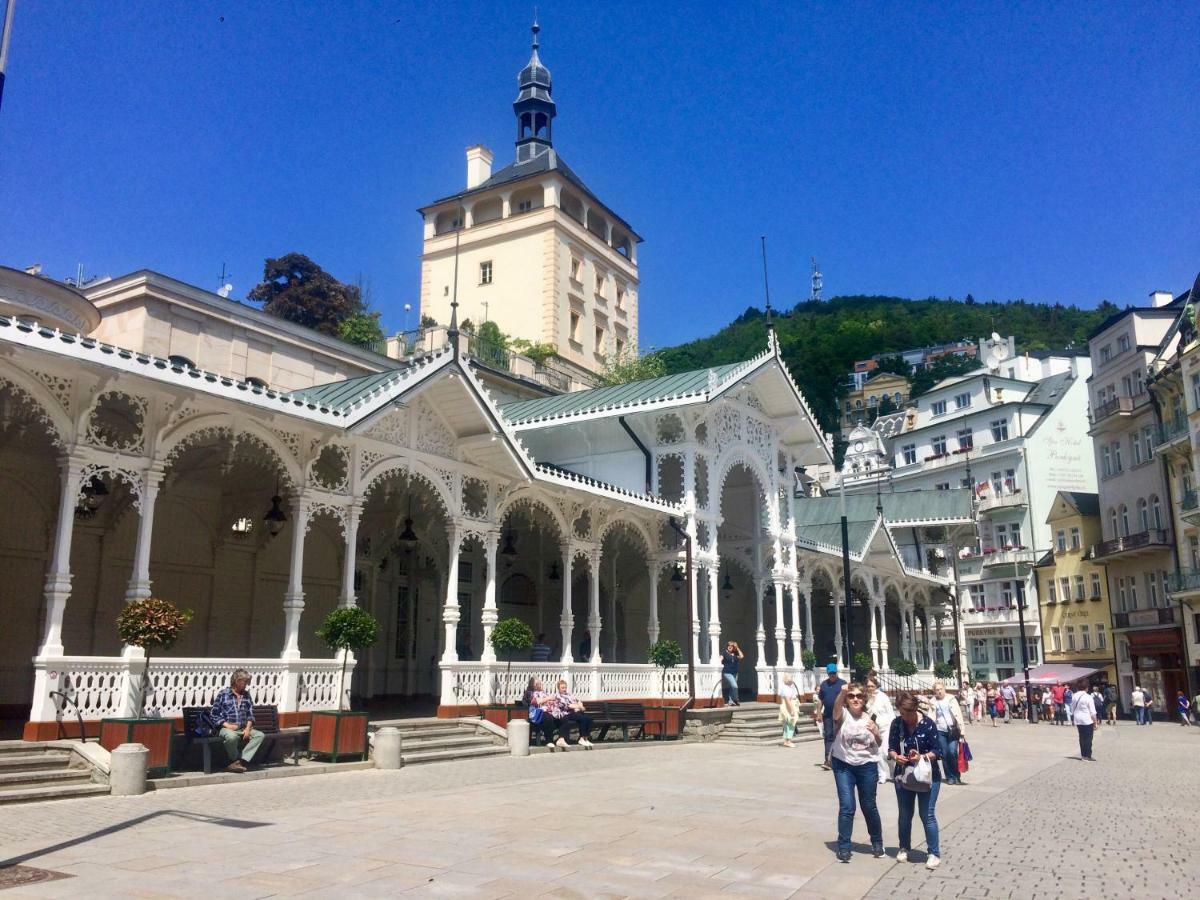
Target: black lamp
[
  {"x": 408, "y": 537},
  {"x": 727, "y": 585},
  {"x": 275, "y": 517},
  {"x": 677, "y": 576},
  {"x": 554, "y": 576},
  {"x": 94, "y": 493},
  {"x": 508, "y": 549}
]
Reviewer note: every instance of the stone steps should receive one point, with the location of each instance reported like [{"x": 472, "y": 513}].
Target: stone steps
[
  {"x": 758, "y": 725},
  {"x": 32, "y": 771},
  {"x": 433, "y": 740},
  {"x": 432, "y": 756}
]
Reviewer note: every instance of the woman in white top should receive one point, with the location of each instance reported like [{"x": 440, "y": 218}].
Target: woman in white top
[
  {"x": 789, "y": 709},
  {"x": 879, "y": 708},
  {"x": 969, "y": 701},
  {"x": 948, "y": 718},
  {"x": 854, "y": 753}
]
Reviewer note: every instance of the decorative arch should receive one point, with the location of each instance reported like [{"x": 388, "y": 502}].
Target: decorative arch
[
  {"x": 177, "y": 439},
  {"x": 526, "y": 496},
  {"x": 637, "y": 529},
  {"x": 42, "y": 403},
  {"x": 413, "y": 468},
  {"x": 739, "y": 456}
]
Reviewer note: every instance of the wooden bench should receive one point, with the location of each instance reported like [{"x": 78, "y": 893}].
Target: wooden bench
[
  {"x": 623, "y": 715},
  {"x": 266, "y": 720}
]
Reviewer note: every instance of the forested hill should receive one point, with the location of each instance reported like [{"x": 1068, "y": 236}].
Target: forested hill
[{"x": 821, "y": 340}]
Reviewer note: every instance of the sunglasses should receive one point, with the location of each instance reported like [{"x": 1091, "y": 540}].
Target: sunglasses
[{"x": 854, "y": 696}]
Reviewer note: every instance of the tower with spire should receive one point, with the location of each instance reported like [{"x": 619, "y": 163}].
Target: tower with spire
[{"x": 537, "y": 252}]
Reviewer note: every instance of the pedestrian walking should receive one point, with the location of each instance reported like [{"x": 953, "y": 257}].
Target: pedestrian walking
[
  {"x": 1009, "y": 693},
  {"x": 854, "y": 757},
  {"x": 881, "y": 711},
  {"x": 913, "y": 738},
  {"x": 827, "y": 693},
  {"x": 730, "y": 656},
  {"x": 1196, "y": 708},
  {"x": 968, "y": 696},
  {"x": 1138, "y": 701},
  {"x": 1058, "y": 692},
  {"x": 1185, "y": 709},
  {"x": 1083, "y": 716},
  {"x": 1149, "y": 705},
  {"x": 992, "y": 696},
  {"x": 1110, "y": 703},
  {"x": 1098, "y": 701},
  {"x": 789, "y": 708},
  {"x": 1001, "y": 709},
  {"x": 1048, "y": 705},
  {"x": 949, "y": 723}
]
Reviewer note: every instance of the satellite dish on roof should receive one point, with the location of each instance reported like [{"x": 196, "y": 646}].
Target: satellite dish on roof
[
  {"x": 997, "y": 351},
  {"x": 226, "y": 290}
]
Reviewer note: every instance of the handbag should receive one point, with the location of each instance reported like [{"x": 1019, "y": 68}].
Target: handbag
[
  {"x": 535, "y": 714},
  {"x": 918, "y": 777},
  {"x": 964, "y": 764},
  {"x": 964, "y": 751}
]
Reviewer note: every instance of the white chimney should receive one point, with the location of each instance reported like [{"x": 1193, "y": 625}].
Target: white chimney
[
  {"x": 1160, "y": 298},
  {"x": 479, "y": 165}
]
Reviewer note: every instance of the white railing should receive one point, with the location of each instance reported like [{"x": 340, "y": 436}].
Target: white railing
[
  {"x": 1006, "y": 557},
  {"x": 103, "y": 686},
  {"x": 1002, "y": 501}
]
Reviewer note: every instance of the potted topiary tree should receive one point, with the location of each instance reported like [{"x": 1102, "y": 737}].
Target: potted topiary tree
[
  {"x": 943, "y": 670},
  {"x": 343, "y": 731},
  {"x": 151, "y": 624},
  {"x": 809, "y": 660},
  {"x": 510, "y": 638},
  {"x": 904, "y": 667},
  {"x": 666, "y": 654},
  {"x": 862, "y": 665}
]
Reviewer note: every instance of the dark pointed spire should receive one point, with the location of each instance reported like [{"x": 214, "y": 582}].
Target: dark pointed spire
[
  {"x": 767, "y": 285},
  {"x": 534, "y": 106}
]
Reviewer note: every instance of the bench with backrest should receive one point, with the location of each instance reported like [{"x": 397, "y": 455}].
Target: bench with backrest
[
  {"x": 618, "y": 714},
  {"x": 266, "y": 720}
]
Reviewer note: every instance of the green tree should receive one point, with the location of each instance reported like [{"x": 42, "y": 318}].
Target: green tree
[
  {"x": 361, "y": 328},
  {"x": 626, "y": 367},
  {"x": 151, "y": 624},
  {"x": 895, "y": 364},
  {"x": 428, "y": 321},
  {"x": 297, "y": 289},
  {"x": 665, "y": 654},
  {"x": 348, "y": 628},
  {"x": 509, "y": 637},
  {"x": 539, "y": 353}
]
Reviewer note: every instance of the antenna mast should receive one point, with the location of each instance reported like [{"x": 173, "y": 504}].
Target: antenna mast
[{"x": 817, "y": 283}]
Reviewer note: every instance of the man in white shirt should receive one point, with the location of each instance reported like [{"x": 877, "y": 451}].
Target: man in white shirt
[
  {"x": 1138, "y": 701},
  {"x": 1083, "y": 715}
]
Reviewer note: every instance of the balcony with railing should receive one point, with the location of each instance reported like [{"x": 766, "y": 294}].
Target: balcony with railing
[
  {"x": 1170, "y": 432},
  {"x": 1009, "y": 499},
  {"x": 1189, "y": 507},
  {"x": 1151, "y": 541},
  {"x": 1185, "y": 582},
  {"x": 1008, "y": 556},
  {"x": 1141, "y": 618},
  {"x": 1117, "y": 406}
]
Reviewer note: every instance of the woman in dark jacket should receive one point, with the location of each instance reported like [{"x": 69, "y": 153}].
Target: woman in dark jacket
[{"x": 911, "y": 738}]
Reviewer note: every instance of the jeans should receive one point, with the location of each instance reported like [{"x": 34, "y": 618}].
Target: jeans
[
  {"x": 583, "y": 720},
  {"x": 1085, "y": 740},
  {"x": 827, "y": 731},
  {"x": 866, "y": 779},
  {"x": 949, "y": 750},
  {"x": 232, "y": 739},
  {"x": 729, "y": 688},
  {"x": 925, "y": 803},
  {"x": 1149, "y": 715},
  {"x": 1140, "y": 713},
  {"x": 548, "y": 725}
]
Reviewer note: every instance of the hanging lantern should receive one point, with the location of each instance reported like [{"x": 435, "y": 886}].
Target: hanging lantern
[
  {"x": 508, "y": 549},
  {"x": 275, "y": 517},
  {"x": 727, "y": 585},
  {"x": 677, "y": 576},
  {"x": 554, "y": 574},
  {"x": 408, "y": 537}
]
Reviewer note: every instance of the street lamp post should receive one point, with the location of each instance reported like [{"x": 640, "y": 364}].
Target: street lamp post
[
  {"x": 1024, "y": 649},
  {"x": 687, "y": 606}
]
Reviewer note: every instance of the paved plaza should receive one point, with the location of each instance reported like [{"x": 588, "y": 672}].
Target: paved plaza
[{"x": 644, "y": 821}]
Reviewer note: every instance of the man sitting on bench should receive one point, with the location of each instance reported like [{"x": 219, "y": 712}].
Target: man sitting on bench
[
  {"x": 567, "y": 709},
  {"x": 233, "y": 717}
]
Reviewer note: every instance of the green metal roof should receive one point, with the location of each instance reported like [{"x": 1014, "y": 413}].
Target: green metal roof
[
  {"x": 338, "y": 395},
  {"x": 819, "y": 519},
  {"x": 635, "y": 393}
]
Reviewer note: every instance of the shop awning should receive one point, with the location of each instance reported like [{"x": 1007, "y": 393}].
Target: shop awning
[{"x": 1051, "y": 673}]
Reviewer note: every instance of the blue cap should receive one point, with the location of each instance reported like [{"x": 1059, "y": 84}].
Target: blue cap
[{"x": 831, "y": 668}]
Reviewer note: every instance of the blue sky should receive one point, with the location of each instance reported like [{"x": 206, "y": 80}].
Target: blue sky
[{"x": 1045, "y": 151}]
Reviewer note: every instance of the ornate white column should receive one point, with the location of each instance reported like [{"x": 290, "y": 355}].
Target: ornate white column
[
  {"x": 349, "y": 564},
  {"x": 808, "y": 629},
  {"x": 884, "y": 664},
  {"x": 796, "y": 634},
  {"x": 873, "y": 608},
  {"x": 714, "y": 616},
  {"x": 594, "y": 621},
  {"x": 929, "y": 657},
  {"x": 780, "y": 630},
  {"x": 490, "y": 614},
  {"x": 450, "y": 610},
  {"x": 694, "y": 601},
  {"x": 652, "y": 626},
  {"x": 293, "y": 600},
  {"x": 139, "y": 582},
  {"x": 57, "y": 588},
  {"x": 760, "y": 633},
  {"x": 566, "y": 620}
]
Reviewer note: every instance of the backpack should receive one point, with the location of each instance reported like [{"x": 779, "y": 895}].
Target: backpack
[{"x": 204, "y": 726}]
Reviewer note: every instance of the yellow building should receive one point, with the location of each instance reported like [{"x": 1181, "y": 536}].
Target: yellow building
[
  {"x": 863, "y": 405},
  {"x": 1073, "y": 591}
]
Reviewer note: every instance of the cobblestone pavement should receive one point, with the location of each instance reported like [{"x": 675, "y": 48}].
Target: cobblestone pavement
[
  {"x": 1122, "y": 826},
  {"x": 647, "y": 821}
]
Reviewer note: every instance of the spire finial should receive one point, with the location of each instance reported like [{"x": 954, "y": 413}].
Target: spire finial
[
  {"x": 535, "y": 29},
  {"x": 766, "y": 284}
]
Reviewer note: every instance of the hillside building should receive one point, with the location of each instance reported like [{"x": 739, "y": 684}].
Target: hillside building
[{"x": 881, "y": 393}]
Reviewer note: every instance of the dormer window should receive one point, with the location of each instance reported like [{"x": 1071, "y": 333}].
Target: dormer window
[{"x": 524, "y": 206}]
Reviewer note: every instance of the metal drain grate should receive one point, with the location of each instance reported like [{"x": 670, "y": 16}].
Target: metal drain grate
[{"x": 22, "y": 876}]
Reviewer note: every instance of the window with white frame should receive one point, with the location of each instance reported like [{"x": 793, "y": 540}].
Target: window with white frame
[
  {"x": 1006, "y": 594},
  {"x": 938, "y": 407},
  {"x": 1065, "y": 589},
  {"x": 979, "y": 650},
  {"x": 1122, "y": 599},
  {"x": 1070, "y": 638},
  {"x": 1124, "y": 520},
  {"x": 1196, "y": 390},
  {"x": 1105, "y": 461},
  {"x": 942, "y": 486},
  {"x": 978, "y": 596},
  {"x": 938, "y": 445},
  {"x": 910, "y": 453},
  {"x": 577, "y": 270},
  {"x": 620, "y": 298},
  {"x": 1051, "y": 591},
  {"x": 1079, "y": 589},
  {"x": 575, "y": 320},
  {"x": 1148, "y": 442},
  {"x": 1000, "y": 430},
  {"x": 1156, "y": 512},
  {"x": 524, "y": 205},
  {"x": 1056, "y": 639},
  {"x": 1106, "y": 353},
  {"x": 485, "y": 272},
  {"x": 1101, "y": 637},
  {"x": 1136, "y": 443},
  {"x": 599, "y": 348},
  {"x": 1118, "y": 466},
  {"x": 1122, "y": 343},
  {"x": 1095, "y": 585},
  {"x": 1085, "y": 637},
  {"x": 966, "y": 438},
  {"x": 1032, "y": 650},
  {"x": 1076, "y": 538},
  {"x": 1060, "y": 541},
  {"x": 599, "y": 282},
  {"x": 1132, "y": 585},
  {"x": 1004, "y": 650},
  {"x": 1152, "y": 589},
  {"x": 1143, "y": 514},
  {"x": 962, "y": 401}
]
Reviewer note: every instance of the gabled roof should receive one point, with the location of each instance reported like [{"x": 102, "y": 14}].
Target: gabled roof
[{"x": 1087, "y": 505}]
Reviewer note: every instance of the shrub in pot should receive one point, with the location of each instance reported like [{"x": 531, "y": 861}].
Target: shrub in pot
[
  {"x": 341, "y": 731},
  {"x": 905, "y": 667},
  {"x": 809, "y": 660},
  {"x": 510, "y": 637}
]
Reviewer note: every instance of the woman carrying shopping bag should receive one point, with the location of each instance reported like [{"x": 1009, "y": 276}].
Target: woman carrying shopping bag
[{"x": 913, "y": 747}]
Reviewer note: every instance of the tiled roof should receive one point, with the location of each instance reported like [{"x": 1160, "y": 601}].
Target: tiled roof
[
  {"x": 1050, "y": 390},
  {"x": 338, "y": 395},
  {"x": 635, "y": 393},
  {"x": 1087, "y": 504}
]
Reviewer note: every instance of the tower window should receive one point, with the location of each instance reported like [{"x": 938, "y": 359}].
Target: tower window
[
  {"x": 574, "y": 327},
  {"x": 599, "y": 339},
  {"x": 620, "y": 298},
  {"x": 577, "y": 270},
  {"x": 485, "y": 272},
  {"x": 599, "y": 283},
  {"x": 620, "y": 348}
]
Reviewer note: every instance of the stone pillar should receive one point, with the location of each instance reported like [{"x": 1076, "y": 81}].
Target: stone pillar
[
  {"x": 386, "y": 752},
  {"x": 714, "y": 616},
  {"x": 694, "y": 602},
  {"x": 57, "y": 588},
  {"x": 450, "y": 610},
  {"x": 293, "y": 600},
  {"x": 874, "y": 609},
  {"x": 139, "y": 582},
  {"x": 780, "y": 630},
  {"x": 883, "y": 641},
  {"x": 506, "y": 204},
  {"x": 594, "y": 621},
  {"x": 490, "y": 614},
  {"x": 567, "y": 619},
  {"x": 837, "y": 598},
  {"x": 760, "y": 633},
  {"x": 652, "y": 626},
  {"x": 353, "y": 515}
]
